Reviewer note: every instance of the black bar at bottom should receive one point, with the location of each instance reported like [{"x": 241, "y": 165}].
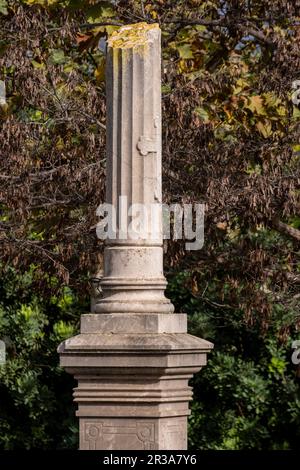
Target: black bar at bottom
[{"x": 135, "y": 459}]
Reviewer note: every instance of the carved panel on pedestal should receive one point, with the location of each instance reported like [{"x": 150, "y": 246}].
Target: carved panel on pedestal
[
  {"x": 174, "y": 434},
  {"x": 119, "y": 434}
]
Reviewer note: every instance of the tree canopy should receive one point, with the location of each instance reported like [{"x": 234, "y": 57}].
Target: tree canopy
[{"x": 230, "y": 141}]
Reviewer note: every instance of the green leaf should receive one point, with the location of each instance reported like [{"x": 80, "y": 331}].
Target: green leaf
[
  {"x": 166, "y": 89},
  {"x": 100, "y": 11},
  {"x": 254, "y": 170},
  {"x": 296, "y": 112},
  {"x": 3, "y": 7},
  {"x": 295, "y": 221},
  {"x": 185, "y": 51},
  {"x": 200, "y": 28},
  {"x": 58, "y": 57},
  {"x": 38, "y": 65},
  {"x": 37, "y": 115},
  {"x": 277, "y": 366},
  {"x": 271, "y": 99},
  {"x": 240, "y": 85},
  {"x": 202, "y": 113},
  {"x": 63, "y": 329},
  {"x": 281, "y": 111}
]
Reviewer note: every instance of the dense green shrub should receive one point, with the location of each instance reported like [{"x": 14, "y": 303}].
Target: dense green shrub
[
  {"x": 248, "y": 395},
  {"x": 36, "y": 409}
]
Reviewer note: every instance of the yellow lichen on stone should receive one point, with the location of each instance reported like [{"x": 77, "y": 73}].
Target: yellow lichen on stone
[{"x": 131, "y": 35}]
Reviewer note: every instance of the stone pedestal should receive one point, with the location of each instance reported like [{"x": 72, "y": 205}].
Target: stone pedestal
[
  {"x": 132, "y": 373},
  {"x": 133, "y": 357}
]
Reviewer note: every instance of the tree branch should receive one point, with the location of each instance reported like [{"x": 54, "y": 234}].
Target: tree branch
[
  {"x": 190, "y": 22},
  {"x": 258, "y": 35},
  {"x": 88, "y": 26},
  {"x": 286, "y": 229},
  {"x": 199, "y": 21}
]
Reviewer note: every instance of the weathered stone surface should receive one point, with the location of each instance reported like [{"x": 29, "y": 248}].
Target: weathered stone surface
[
  {"x": 126, "y": 434},
  {"x": 143, "y": 342},
  {"x": 146, "y": 323},
  {"x": 133, "y": 390},
  {"x": 133, "y": 279}
]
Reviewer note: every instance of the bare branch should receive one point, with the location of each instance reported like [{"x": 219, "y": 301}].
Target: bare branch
[
  {"x": 88, "y": 26},
  {"x": 286, "y": 229},
  {"x": 258, "y": 35},
  {"x": 199, "y": 21},
  {"x": 190, "y": 22}
]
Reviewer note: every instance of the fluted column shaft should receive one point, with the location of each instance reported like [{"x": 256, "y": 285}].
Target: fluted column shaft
[{"x": 133, "y": 260}]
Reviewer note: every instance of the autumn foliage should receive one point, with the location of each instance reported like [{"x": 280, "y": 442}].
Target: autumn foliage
[{"x": 230, "y": 140}]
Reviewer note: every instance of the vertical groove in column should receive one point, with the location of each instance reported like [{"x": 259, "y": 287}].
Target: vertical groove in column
[
  {"x": 135, "y": 193},
  {"x": 109, "y": 125},
  {"x": 113, "y": 151},
  {"x": 133, "y": 167},
  {"x": 119, "y": 135},
  {"x": 130, "y": 92},
  {"x": 125, "y": 154},
  {"x": 142, "y": 114},
  {"x": 116, "y": 112},
  {"x": 152, "y": 118}
]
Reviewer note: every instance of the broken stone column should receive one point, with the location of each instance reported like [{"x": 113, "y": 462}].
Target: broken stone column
[
  {"x": 133, "y": 273},
  {"x": 133, "y": 357}
]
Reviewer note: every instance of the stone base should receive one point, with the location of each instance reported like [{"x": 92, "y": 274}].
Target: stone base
[
  {"x": 133, "y": 434},
  {"x": 132, "y": 373}
]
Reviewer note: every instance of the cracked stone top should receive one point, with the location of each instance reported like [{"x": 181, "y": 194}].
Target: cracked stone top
[{"x": 132, "y": 35}]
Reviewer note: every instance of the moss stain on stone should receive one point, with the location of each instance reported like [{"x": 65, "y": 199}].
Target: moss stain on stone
[{"x": 131, "y": 36}]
